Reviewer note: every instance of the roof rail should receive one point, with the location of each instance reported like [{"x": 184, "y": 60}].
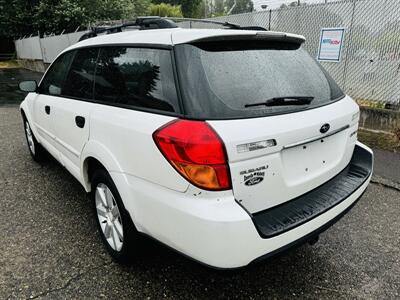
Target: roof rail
[
  {"x": 155, "y": 22},
  {"x": 141, "y": 23}
]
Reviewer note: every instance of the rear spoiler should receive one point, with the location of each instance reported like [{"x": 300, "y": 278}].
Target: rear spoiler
[{"x": 262, "y": 35}]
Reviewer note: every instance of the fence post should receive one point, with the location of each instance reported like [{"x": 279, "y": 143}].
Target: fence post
[
  {"x": 41, "y": 47},
  {"x": 348, "y": 45},
  {"x": 269, "y": 21}
]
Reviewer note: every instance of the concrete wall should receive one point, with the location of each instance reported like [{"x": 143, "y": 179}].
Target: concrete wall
[
  {"x": 33, "y": 64},
  {"x": 29, "y": 48},
  {"x": 45, "y": 49},
  {"x": 54, "y": 45},
  {"x": 380, "y": 119}
]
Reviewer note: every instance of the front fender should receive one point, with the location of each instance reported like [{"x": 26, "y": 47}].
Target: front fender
[{"x": 26, "y": 108}]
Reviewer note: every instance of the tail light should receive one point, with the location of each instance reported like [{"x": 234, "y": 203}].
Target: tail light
[{"x": 195, "y": 150}]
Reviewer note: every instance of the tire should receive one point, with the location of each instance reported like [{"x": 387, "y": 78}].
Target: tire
[
  {"x": 114, "y": 223},
  {"x": 38, "y": 153}
]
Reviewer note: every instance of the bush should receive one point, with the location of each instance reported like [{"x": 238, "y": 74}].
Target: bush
[{"x": 165, "y": 10}]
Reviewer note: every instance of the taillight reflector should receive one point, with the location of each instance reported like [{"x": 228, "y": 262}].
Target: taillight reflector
[{"x": 195, "y": 150}]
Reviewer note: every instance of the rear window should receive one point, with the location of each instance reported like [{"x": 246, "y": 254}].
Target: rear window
[
  {"x": 234, "y": 79},
  {"x": 138, "y": 78}
]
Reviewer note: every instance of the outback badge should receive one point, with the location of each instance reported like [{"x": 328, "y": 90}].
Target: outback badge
[
  {"x": 253, "y": 176},
  {"x": 253, "y": 181}
]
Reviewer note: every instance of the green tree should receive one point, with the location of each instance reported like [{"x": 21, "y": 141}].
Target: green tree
[
  {"x": 50, "y": 16},
  {"x": 189, "y": 7},
  {"x": 141, "y": 7},
  {"x": 16, "y": 18},
  {"x": 201, "y": 12},
  {"x": 165, "y": 10},
  {"x": 218, "y": 8},
  {"x": 242, "y": 6},
  {"x": 21, "y": 17}
]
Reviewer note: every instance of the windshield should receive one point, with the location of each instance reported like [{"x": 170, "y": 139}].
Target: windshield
[{"x": 238, "y": 79}]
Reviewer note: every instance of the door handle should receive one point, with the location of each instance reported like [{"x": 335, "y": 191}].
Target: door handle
[
  {"x": 80, "y": 121},
  {"x": 47, "y": 109}
]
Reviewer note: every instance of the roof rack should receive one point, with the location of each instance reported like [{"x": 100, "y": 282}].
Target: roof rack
[
  {"x": 141, "y": 23},
  {"x": 155, "y": 22}
]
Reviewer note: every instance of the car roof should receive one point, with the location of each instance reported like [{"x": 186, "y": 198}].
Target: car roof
[{"x": 175, "y": 36}]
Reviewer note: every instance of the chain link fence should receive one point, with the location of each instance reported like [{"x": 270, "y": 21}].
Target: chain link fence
[{"x": 369, "y": 69}]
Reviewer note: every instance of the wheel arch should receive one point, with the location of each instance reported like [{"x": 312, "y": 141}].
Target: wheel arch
[
  {"x": 24, "y": 110},
  {"x": 95, "y": 156},
  {"x": 23, "y": 114},
  {"x": 26, "y": 116}
]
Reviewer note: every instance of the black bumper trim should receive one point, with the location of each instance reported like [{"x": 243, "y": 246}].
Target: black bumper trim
[
  {"x": 304, "y": 239},
  {"x": 291, "y": 214}
]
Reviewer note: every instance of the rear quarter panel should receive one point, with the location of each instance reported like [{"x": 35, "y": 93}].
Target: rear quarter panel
[{"x": 126, "y": 135}]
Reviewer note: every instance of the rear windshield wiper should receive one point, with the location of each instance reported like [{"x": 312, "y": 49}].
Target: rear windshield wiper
[{"x": 282, "y": 101}]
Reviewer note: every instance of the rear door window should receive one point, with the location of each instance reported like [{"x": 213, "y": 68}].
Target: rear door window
[
  {"x": 233, "y": 79},
  {"x": 79, "y": 82},
  {"x": 135, "y": 77}
]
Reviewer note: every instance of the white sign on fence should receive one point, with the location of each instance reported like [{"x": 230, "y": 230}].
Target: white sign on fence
[{"x": 330, "y": 44}]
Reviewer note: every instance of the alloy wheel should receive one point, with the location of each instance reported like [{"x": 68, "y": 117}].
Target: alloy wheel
[
  {"x": 109, "y": 217},
  {"x": 29, "y": 138}
]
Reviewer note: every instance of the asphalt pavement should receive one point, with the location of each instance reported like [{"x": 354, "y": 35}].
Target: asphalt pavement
[
  {"x": 9, "y": 79},
  {"x": 50, "y": 247},
  {"x": 387, "y": 165}
]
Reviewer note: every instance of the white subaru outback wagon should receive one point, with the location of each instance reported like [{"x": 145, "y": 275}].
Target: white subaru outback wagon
[{"x": 226, "y": 145}]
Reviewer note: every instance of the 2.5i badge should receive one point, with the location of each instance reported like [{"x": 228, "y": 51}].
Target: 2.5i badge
[{"x": 253, "y": 176}]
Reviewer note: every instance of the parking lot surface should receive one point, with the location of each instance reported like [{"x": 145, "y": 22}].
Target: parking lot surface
[
  {"x": 9, "y": 79},
  {"x": 50, "y": 247}
]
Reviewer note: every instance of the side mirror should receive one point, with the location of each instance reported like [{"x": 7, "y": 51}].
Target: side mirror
[{"x": 28, "y": 86}]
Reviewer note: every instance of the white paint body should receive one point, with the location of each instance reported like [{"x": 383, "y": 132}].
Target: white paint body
[{"x": 210, "y": 227}]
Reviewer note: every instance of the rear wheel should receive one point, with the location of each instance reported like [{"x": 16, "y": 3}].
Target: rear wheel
[
  {"x": 115, "y": 226},
  {"x": 36, "y": 150}
]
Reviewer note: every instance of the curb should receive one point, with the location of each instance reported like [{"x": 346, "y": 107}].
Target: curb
[{"x": 386, "y": 182}]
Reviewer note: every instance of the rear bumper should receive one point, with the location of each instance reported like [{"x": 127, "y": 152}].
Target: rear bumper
[
  {"x": 291, "y": 214},
  {"x": 212, "y": 228},
  {"x": 308, "y": 237}
]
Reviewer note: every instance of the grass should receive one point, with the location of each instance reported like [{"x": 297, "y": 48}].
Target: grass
[
  {"x": 378, "y": 104},
  {"x": 370, "y": 103},
  {"x": 9, "y": 64},
  {"x": 379, "y": 140}
]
